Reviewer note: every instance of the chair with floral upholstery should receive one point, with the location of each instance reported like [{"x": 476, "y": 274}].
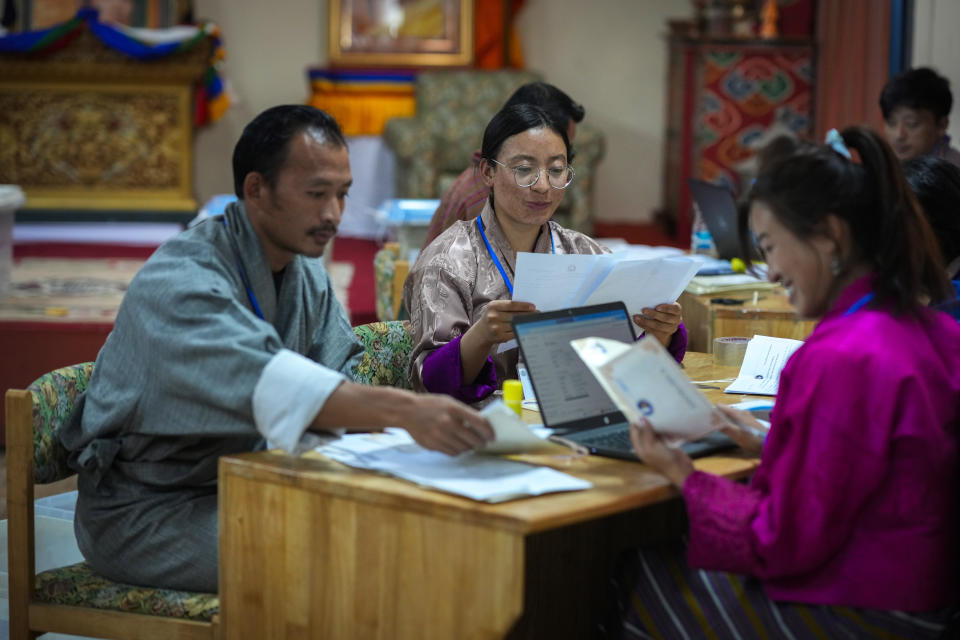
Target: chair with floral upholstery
[
  {"x": 388, "y": 346},
  {"x": 74, "y": 599},
  {"x": 453, "y": 108}
]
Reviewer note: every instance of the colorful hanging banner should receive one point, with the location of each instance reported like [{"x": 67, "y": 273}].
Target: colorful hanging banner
[{"x": 141, "y": 44}]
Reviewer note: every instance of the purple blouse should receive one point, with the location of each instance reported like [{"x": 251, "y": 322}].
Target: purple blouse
[{"x": 855, "y": 499}]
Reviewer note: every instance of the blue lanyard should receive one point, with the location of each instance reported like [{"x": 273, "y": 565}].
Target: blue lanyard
[
  {"x": 856, "y": 306},
  {"x": 243, "y": 277},
  {"x": 496, "y": 260}
]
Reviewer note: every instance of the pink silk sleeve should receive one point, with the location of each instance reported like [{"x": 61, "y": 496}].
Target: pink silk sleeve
[{"x": 827, "y": 452}]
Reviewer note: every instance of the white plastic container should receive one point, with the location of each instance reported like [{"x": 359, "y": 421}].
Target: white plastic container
[
  {"x": 11, "y": 199},
  {"x": 409, "y": 220}
]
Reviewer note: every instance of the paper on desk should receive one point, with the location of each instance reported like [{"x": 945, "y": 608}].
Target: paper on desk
[
  {"x": 737, "y": 282},
  {"x": 479, "y": 477},
  {"x": 512, "y": 434},
  {"x": 762, "y": 363}
]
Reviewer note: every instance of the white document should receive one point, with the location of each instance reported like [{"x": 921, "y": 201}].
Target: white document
[
  {"x": 644, "y": 381},
  {"x": 762, "y": 364},
  {"x": 506, "y": 346},
  {"x": 549, "y": 280},
  {"x": 479, "y": 477},
  {"x": 525, "y": 382},
  {"x": 644, "y": 283},
  {"x": 553, "y": 281},
  {"x": 513, "y": 435}
]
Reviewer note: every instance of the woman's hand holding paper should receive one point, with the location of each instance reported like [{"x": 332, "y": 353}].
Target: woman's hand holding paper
[
  {"x": 661, "y": 322},
  {"x": 494, "y": 326},
  {"x": 650, "y": 448},
  {"x": 741, "y": 427},
  {"x": 491, "y": 329}
]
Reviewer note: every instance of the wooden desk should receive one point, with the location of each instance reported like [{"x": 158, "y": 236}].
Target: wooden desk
[
  {"x": 310, "y": 548},
  {"x": 773, "y": 315}
]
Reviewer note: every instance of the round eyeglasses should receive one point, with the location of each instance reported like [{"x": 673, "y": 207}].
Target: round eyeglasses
[{"x": 527, "y": 176}]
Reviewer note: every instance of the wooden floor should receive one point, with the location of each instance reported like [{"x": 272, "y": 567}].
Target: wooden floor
[{"x": 39, "y": 491}]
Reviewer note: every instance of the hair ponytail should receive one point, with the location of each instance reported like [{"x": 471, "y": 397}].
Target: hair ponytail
[
  {"x": 898, "y": 241},
  {"x": 887, "y": 226}
]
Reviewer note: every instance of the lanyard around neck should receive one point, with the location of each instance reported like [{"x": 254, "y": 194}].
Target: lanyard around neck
[
  {"x": 496, "y": 260},
  {"x": 243, "y": 277},
  {"x": 856, "y": 306}
]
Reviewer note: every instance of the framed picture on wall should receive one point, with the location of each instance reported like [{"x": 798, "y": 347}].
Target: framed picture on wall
[{"x": 401, "y": 33}]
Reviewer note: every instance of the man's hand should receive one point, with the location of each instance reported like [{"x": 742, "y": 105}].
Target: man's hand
[
  {"x": 661, "y": 322},
  {"x": 440, "y": 423},
  {"x": 673, "y": 463}
]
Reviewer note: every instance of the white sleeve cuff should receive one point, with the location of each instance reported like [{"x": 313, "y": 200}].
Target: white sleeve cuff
[{"x": 289, "y": 394}]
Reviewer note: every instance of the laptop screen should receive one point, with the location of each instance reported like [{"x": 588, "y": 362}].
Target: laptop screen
[
  {"x": 568, "y": 394},
  {"x": 719, "y": 212}
]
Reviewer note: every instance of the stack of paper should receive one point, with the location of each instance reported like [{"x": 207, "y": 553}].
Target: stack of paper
[
  {"x": 559, "y": 281},
  {"x": 479, "y": 477},
  {"x": 721, "y": 284}
]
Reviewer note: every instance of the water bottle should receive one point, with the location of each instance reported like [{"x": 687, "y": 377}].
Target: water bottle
[{"x": 700, "y": 239}]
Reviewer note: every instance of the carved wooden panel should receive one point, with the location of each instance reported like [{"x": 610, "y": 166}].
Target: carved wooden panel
[{"x": 89, "y": 146}]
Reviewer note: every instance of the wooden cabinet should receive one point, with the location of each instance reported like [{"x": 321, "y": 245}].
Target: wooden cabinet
[{"x": 725, "y": 99}]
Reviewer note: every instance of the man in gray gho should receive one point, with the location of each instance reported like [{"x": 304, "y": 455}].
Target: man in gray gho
[{"x": 230, "y": 336}]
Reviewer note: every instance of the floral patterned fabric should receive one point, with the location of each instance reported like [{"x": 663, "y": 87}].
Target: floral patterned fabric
[
  {"x": 77, "y": 585},
  {"x": 54, "y": 396},
  {"x": 453, "y": 109},
  {"x": 387, "y": 356}
]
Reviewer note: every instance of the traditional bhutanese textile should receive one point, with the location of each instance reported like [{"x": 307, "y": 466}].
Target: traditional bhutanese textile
[
  {"x": 448, "y": 290},
  {"x": 854, "y": 502},
  {"x": 363, "y": 100},
  {"x": 663, "y": 597},
  {"x": 142, "y": 44},
  {"x": 745, "y": 94},
  {"x": 188, "y": 374}
]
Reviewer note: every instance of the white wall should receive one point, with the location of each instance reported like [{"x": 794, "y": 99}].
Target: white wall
[
  {"x": 611, "y": 56},
  {"x": 935, "y": 44},
  {"x": 269, "y": 46}
]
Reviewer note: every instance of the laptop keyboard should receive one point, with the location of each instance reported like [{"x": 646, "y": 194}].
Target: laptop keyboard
[{"x": 612, "y": 440}]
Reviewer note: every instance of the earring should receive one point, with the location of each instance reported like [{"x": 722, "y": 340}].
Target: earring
[{"x": 836, "y": 266}]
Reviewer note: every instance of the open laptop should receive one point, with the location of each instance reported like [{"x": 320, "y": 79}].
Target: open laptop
[
  {"x": 719, "y": 211},
  {"x": 571, "y": 400}
]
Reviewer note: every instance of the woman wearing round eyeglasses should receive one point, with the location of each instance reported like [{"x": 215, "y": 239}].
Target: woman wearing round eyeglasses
[{"x": 458, "y": 294}]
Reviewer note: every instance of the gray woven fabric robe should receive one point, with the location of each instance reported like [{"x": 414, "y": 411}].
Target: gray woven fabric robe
[{"x": 172, "y": 391}]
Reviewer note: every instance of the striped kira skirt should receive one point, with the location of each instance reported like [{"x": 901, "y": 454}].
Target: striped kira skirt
[{"x": 670, "y": 600}]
